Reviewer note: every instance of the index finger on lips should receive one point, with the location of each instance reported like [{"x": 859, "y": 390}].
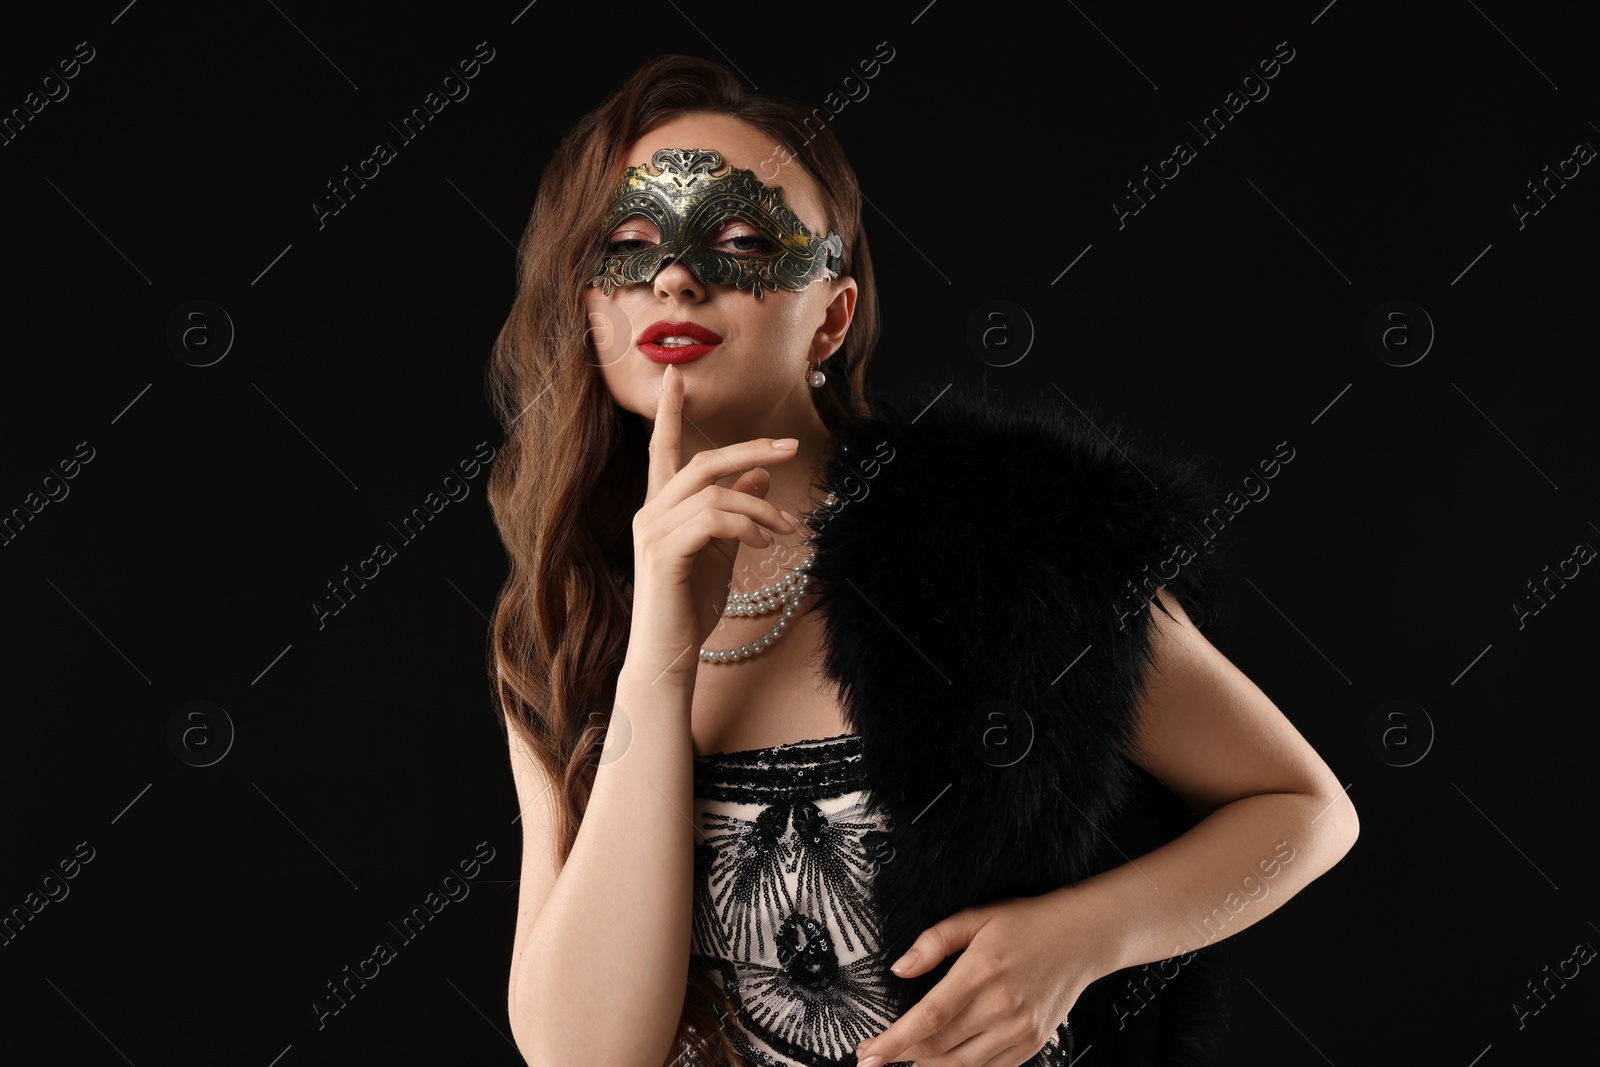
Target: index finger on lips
[{"x": 666, "y": 436}]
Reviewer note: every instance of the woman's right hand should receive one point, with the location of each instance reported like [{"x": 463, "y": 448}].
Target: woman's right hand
[{"x": 687, "y": 535}]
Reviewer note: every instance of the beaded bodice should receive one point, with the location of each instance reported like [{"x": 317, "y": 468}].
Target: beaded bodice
[{"x": 783, "y": 867}]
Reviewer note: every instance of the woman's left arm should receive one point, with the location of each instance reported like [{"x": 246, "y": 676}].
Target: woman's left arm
[{"x": 1275, "y": 818}]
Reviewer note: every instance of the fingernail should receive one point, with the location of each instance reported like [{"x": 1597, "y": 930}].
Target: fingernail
[
  {"x": 870, "y": 1061},
  {"x": 786, "y": 443},
  {"x": 766, "y": 535},
  {"x": 794, "y": 520},
  {"x": 903, "y": 962}
]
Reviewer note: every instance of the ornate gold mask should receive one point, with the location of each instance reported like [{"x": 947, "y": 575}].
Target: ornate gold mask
[{"x": 688, "y": 205}]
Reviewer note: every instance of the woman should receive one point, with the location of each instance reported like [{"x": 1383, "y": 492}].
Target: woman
[{"x": 796, "y": 684}]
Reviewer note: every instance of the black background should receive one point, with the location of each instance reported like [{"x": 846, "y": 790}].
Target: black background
[{"x": 1229, "y": 315}]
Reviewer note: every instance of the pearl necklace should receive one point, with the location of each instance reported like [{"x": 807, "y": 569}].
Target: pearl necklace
[{"x": 783, "y": 594}]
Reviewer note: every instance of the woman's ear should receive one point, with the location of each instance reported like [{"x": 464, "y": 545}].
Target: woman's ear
[{"x": 835, "y": 319}]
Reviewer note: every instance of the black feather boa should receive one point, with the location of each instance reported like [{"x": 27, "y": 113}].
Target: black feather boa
[{"x": 985, "y": 578}]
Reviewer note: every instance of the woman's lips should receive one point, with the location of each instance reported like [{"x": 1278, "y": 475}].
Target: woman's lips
[
  {"x": 704, "y": 337},
  {"x": 674, "y": 353}
]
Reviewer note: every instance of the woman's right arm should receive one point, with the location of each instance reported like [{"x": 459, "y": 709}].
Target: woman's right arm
[{"x": 600, "y": 965}]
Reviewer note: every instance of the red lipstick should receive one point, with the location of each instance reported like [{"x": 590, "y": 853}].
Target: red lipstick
[{"x": 705, "y": 339}]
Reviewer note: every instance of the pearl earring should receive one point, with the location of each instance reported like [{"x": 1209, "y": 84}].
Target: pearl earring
[{"x": 816, "y": 377}]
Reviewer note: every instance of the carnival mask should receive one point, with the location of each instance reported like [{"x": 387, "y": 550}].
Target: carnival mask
[{"x": 689, "y": 205}]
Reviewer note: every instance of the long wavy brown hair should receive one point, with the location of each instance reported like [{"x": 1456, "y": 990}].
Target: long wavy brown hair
[{"x": 573, "y": 469}]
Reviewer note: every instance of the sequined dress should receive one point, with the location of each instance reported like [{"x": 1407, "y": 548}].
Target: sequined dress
[{"x": 782, "y": 869}]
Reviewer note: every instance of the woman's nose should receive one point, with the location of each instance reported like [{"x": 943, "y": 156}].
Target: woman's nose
[{"x": 674, "y": 278}]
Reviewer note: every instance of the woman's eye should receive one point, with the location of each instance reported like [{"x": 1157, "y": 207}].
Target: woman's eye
[
  {"x": 754, "y": 243},
  {"x": 619, "y": 245}
]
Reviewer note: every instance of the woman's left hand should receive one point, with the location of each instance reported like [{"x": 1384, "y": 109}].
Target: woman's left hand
[{"x": 1024, "y": 966}]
